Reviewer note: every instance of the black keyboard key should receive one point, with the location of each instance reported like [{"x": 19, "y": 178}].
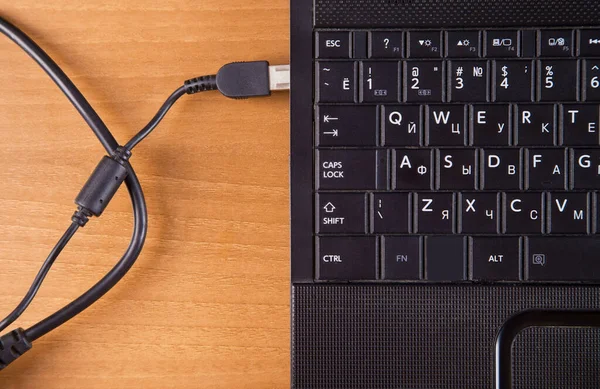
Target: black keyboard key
[
  {"x": 528, "y": 43},
  {"x": 349, "y": 169},
  {"x": 495, "y": 259},
  {"x": 502, "y": 43},
  {"x": 591, "y": 80},
  {"x": 557, "y": 80},
  {"x": 478, "y": 213},
  {"x": 336, "y": 82},
  {"x": 360, "y": 44},
  {"x": 456, "y": 169},
  {"x": 423, "y": 81},
  {"x": 546, "y": 169},
  {"x": 445, "y": 125},
  {"x": 386, "y": 44},
  {"x": 434, "y": 213},
  {"x": 556, "y": 43},
  {"x": 513, "y": 81},
  {"x": 401, "y": 125},
  {"x": 339, "y": 125},
  {"x": 390, "y": 213},
  {"x": 580, "y": 124},
  {"x": 346, "y": 258},
  {"x": 490, "y": 125},
  {"x": 536, "y": 125},
  {"x": 589, "y": 43},
  {"x": 424, "y": 44},
  {"x": 333, "y": 44},
  {"x": 585, "y": 169},
  {"x": 468, "y": 81},
  {"x": 380, "y": 81},
  {"x": 568, "y": 213},
  {"x": 501, "y": 169},
  {"x": 413, "y": 169},
  {"x": 523, "y": 213},
  {"x": 562, "y": 259},
  {"x": 463, "y": 44},
  {"x": 341, "y": 213},
  {"x": 401, "y": 258},
  {"x": 445, "y": 258}
]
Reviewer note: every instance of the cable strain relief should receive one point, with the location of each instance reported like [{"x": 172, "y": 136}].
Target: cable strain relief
[
  {"x": 12, "y": 346},
  {"x": 81, "y": 216},
  {"x": 201, "y": 84}
]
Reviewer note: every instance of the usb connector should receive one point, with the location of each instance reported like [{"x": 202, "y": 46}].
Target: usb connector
[{"x": 240, "y": 80}]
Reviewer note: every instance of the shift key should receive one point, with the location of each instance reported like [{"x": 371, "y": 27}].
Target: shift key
[{"x": 351, "y": 169}]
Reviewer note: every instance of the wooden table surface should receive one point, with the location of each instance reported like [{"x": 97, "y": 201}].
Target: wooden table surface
[{"x": 207, "y": 303}]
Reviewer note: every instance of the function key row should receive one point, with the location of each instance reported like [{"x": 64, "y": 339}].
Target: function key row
[
  {"x": 458, "y": 80},
  {"x": 458, "y": 44},
  {"x": 474, "y": 213},
  {"x": 457, "y": 125},
  {"x": 458, "y": 169},
  {"x": 454, "y": 258}
]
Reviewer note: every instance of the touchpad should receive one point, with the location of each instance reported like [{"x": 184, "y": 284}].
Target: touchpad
[{"x": 557, "y": 358}]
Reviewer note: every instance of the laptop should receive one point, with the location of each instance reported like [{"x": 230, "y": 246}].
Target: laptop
[{"x": 445, "y": 178}]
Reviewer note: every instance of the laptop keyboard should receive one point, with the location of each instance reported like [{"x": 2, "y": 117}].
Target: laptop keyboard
[{"x": 457, "y": 156}]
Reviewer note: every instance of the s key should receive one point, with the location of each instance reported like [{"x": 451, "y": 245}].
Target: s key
[{"x": 456, "y": 169}]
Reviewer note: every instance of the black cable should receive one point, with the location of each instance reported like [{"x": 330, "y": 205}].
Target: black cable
[
  {"x": 144, "y": 132},
  {"x": 37, "y": 282},
  {"x": 133, "y": 185}
]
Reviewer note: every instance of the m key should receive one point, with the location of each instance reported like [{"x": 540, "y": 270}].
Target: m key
[{"x": 568, "y": 213}]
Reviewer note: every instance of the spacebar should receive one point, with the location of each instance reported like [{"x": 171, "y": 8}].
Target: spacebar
[{"x": 562, "y": 259}]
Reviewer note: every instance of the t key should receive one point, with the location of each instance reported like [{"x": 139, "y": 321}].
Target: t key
[
  {"x": 568, "y": 213},
  {"x": 478, "y": 213},
  {"x": 535, "y": 125},
  {"x": 523, "y": 213},
  {"x": 434, "y": 213},
  {"x": 446, "y": 125},
  {"x": 456, "y": 169},
  {"x": 580, "y": 124}
]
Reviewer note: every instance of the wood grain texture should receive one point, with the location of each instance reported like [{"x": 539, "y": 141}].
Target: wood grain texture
[{"x": 207, "y": 303}]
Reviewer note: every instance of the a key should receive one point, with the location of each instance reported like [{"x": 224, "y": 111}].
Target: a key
[
  {"x": 546, "y": 169},
  {"x": 342, "y": 213},
  {"x": 456, "y": 169},
  {"x": 445, "y": 258},
  {"x": 557, "y": 80},
  {"x": 349, "y": 169},
  {"x": 502, "y": 43},
  {"x": 591, "y": 80},
  {"x": 556, "y": 43},
  {"x": 336, "y": 82},
  {"x": 380, "y": 81},
  {"x": 423, "y": 81},
  {"x": 478, "y": 213},
  {"x": 339, "y": 125},
  {"x": 568, "y": 213},
  {"x": 463, "y": 44},
  {"x": 401, "y": 125},
  {"x": 589, "y": 43},
  {"x": 434, "y": 213},
  {"x": 501, "y": 169},
  {"x": 495, "y": 259},
  {"x": 562, "y": 259},
  {"x": 585, "y": 172},
  {"x": 468, "y": 81},
  {"x": 424, "y": 44},
  {"x": 580, "y": 124},
  {"x": 333, "y": 44},
  {"x": 490, "y": 125},
  {"x": 413, "y": 169},
  {"x": 513, "y": 81},
  {"x": 401, "y": 258},
  {"x": 523, "y": 213},
  {"x": 346, "y": 258},
  {"x": 386, "y": 44},
  {"x": 390, "y": 213},
  {"x": 445, "y": 125},
  {"x": 536, "y": 125}
]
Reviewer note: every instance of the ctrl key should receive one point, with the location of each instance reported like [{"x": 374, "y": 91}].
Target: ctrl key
[{"x": 346, "y": 258}]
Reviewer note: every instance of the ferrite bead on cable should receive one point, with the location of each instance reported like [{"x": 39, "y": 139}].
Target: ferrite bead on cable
[{"x": 101, "y": 186}]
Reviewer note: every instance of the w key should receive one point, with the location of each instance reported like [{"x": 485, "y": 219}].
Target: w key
[{"x": 446, "y": 125}]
